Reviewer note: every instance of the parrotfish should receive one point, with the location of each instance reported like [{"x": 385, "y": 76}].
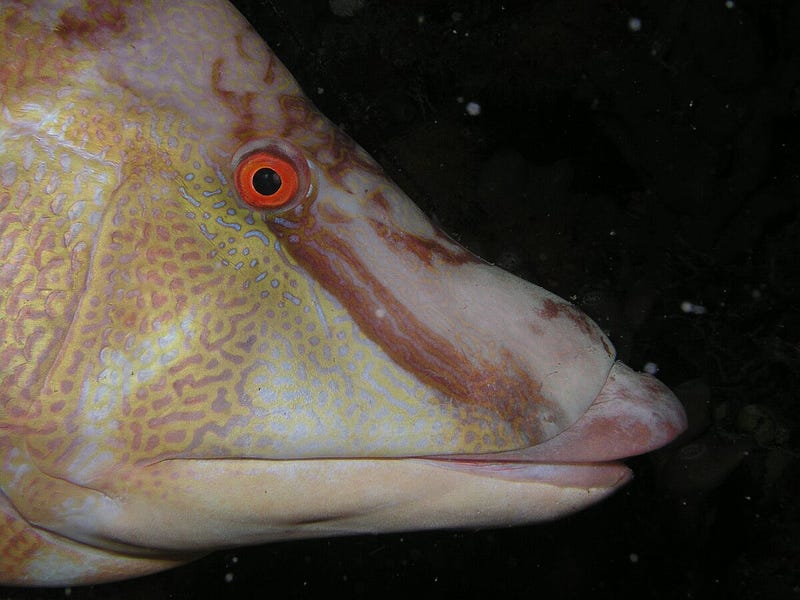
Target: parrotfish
[{"x": 222, "y": 324}]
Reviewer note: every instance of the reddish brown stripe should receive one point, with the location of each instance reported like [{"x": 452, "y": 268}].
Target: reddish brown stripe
[
  {"x": 423, "y": 249},
  {"x": 93, "y": 26},
  {"x": 445, "y": 249},
  {"x": 333, "y": 150},
  {"x": 563, "y": 310},
  {"x": 502, "y": 386},
  {"x": 240, "y": 104}
]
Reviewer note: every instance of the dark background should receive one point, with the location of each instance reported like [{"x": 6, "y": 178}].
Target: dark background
[{"x": 631, "y": 172}]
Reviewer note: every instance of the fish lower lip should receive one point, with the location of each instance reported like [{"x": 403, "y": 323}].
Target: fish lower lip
[{"x": 603, "y": 475}]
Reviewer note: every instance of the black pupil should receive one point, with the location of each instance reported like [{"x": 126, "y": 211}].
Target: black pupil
[{"x": 266, "y": 181}]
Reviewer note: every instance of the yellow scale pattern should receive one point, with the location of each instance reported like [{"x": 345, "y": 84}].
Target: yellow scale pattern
[{"x": 153, "y": 317}]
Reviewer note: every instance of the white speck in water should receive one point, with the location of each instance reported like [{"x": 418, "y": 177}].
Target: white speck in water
[
  {"x": 473, "y": 109},
  {"x": 635, "y": 24},
  {"x": 730, "y": 4},
  {"x": 633, "y": 557},
  {"x": 228, "y": 577},
  {"x": 690, "y": 308},
  {"x": 345, "y": 8},
  {"x": 650, "y": 368}
]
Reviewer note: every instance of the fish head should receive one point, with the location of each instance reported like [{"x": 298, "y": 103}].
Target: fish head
[{"x": 227, "y": 325}]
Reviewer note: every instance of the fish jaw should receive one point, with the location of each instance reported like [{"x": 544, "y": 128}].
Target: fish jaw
[
  {"x": 297, "y": 499},
  {"x": 117, "y": 535},
  {"x": 292, "y": 499},
  {"x": 633, "y": 414}
]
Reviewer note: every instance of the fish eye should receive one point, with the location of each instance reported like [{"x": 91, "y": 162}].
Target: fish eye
[{"x": 271, "y": 175}]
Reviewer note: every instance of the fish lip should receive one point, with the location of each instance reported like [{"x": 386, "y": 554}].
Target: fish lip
[
  {"x": 634, "y": 413},
  {"x": 606, "y": 475}
]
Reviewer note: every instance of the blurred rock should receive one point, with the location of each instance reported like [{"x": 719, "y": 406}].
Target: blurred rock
[{"x": 702, "y": 465}]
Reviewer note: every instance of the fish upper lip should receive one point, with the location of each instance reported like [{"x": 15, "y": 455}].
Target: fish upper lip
[{"x": 633, "y": 414}]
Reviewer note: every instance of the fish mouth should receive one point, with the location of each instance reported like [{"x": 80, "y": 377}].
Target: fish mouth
[
  {"x": 634, "y": 413},
  {"x": 599, "y": 475}
]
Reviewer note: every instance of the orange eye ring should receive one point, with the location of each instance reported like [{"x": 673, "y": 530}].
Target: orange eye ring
[
  {"x": 267, "y": 180},
  {"x": 272, "y": 175}
]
